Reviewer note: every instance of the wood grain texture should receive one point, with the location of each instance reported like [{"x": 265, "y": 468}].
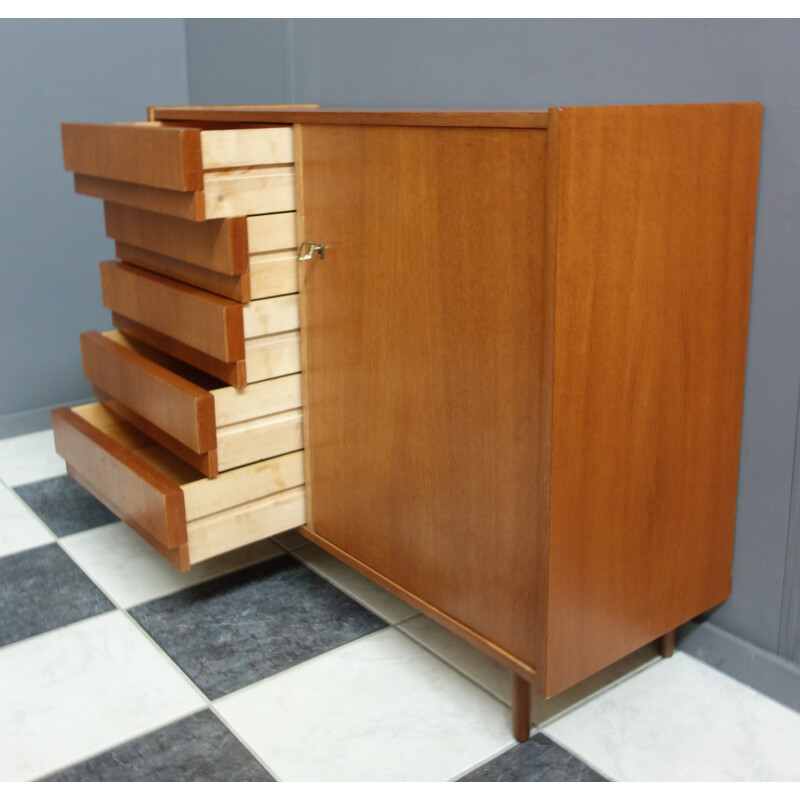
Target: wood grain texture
[
  {"x": 257, "y": 399},
  {"x": 205, "y": 463},
  {"x": 177, "y": 556},
  {"x": 271, "y": 315},
  {"x": 166, "y": 157},
  {"x": 152, "y": 110},
  {"x": 242, "y": 525},
  {"x": 429, "y": 392},
  {"x": 256, "y": 439},
  {"x": 225, "y": 149},
  {"x": 271, "y": 356},
  {"x": 217, "y": 245},
  {"x": 459, "y": 118},
  {"x": 656, "y": 209},
  {"x": 269, "y": 232},
  {"x": 241, "y": 192},
  {"x": 187, "y": 205},
  {"x": 175, "y": 405},
  {"x": 233, "y": 373},
  {"x": 244, "y": 485},
  {"x": 300, "y": 267},
  {"x": 133, "y": 489},
  {"x": 235, "y": 287},
  {"x": 273, "y": 274},
  {"x": 201, "y": 320}
]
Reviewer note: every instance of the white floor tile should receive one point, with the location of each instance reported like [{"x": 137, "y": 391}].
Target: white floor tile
[
  {"x": 81, "y": 689},
  {"x": 29, "y": 458},
  {"x": 379, "y": 709},
  {"x": 131, "y": 572},
  {"x": 496, "y": 678},
  {"x": 20, "y": 528},
  {"x": 681, "y": 720},
  {"x": 365, "y": 591}
]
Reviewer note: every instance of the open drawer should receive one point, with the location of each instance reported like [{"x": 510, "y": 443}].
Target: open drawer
[
  {"x": 209, "y": 425},
  {"x": 225, "y": 246},
  {"x": 207, "y": 329},
  {"x": 186, "y": 517},
  {"x": 183, "y": 171}
]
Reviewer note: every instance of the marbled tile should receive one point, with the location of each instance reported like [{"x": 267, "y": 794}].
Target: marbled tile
[
  {"x": 131, "y": 572},
  {"x": 20, "y": 528},
  {"x": 80, "y": 690},
  {"x": 368, "y": 593},
  {"x": 496, "y": 678},
  {"x": 64, "y": 505},
  {"x": 28, "y": 458},
  {"x": 42, "y": 589},
  {"x": 379, "y": 709},
  {"x": 537, "y": 760},
  {"x": 681, "y": 720},
  {"x": 237, "y": 629},
  {"x": 198, "y": 748}
]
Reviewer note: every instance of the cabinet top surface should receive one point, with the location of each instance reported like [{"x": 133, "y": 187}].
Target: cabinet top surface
[
  {"x": 287, "y": 114},
  {"x": 310, "y": 113}
]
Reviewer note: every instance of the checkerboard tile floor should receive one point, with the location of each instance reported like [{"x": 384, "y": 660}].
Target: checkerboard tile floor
[{"x": 278, "y": 663}]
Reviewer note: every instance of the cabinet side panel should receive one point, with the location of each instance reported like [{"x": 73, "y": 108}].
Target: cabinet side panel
[
  {"x": 428, "y": 364},
  {"x": 656, "y": 210}
]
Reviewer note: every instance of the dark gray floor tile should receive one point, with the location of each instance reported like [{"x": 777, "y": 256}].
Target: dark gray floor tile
[
  {"x": 539, "y": 759},
  {"x": 65, "y": 506},
  {"x": 198, "y": 748},
  {"x": 240, "y": 628},
  {"x": 42, "y": 589}
]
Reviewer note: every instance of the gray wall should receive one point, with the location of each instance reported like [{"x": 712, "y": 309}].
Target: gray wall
[
  {"x": 55, "y": 71},
  {"x": 359, "y": 63}
]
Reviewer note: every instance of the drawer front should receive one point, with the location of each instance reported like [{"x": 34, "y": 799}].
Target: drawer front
[
  {"x": 203, "y": 321},
  {"x": 234, "y": 287},
  {"x": 170, "y": 402},
  {"x": 216, "y": 245},
  {"x": 186, "y": 173},
  {"x": 221, "y": 245},
  {"x": 169, "y": 157},
  {"x": 151, "y": 154},
  {"x": 145, "y": 498},
  {"x": 188, "y": 413},
  {"x": 184, "y": 516}
]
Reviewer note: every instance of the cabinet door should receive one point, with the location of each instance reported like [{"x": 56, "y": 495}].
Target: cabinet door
[{"x": 428, "y": 367}]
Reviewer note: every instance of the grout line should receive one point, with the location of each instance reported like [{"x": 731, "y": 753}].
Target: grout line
[
  {"x": 485, "y": 761},
  {"x": 206, "y": 702},
  {"x": 348, "y": 591},
  {"x": 583, "y": 760},
  {"x": 456, "y": 669},
  {"x": 209, "y": 704},
  {"x": 600, "y": 692}
]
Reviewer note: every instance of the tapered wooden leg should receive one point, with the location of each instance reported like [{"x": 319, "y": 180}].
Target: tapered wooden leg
[
  {"x": 521, "y": 707},
  {"x": 666, "y": 644}
]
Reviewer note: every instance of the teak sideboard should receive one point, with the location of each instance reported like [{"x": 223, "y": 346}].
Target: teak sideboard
[{"x": 506, "y": 383}]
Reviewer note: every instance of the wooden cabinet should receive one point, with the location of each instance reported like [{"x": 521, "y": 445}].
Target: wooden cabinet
[{"x": 523, "y": 356}]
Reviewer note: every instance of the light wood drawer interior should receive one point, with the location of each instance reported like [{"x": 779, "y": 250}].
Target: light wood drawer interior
[
  {"x": 200, "y": 320},
  {"x": 185, "y": 516},
  {"x": 264, "y": 357},
  {"x": 210, "y": 425},
  {"x": 184, "y": 171}
]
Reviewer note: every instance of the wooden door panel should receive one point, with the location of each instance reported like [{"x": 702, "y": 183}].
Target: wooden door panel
[{"x": 429, "y": 364}]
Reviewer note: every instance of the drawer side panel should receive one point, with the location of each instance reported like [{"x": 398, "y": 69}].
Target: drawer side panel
[{"x": 134, "y": 490}]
